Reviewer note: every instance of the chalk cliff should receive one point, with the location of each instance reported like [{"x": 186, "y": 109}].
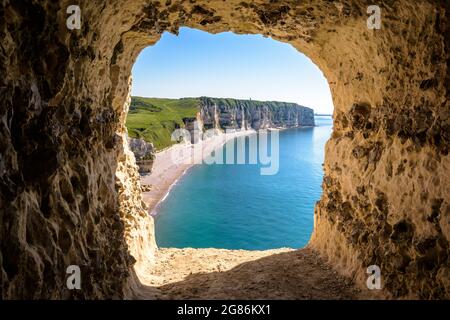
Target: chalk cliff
[
  {"x": 69, "y": 189},
  {"x": 250, "y": 114}
]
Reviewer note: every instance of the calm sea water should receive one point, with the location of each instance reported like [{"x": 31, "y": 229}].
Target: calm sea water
[{"x": 234, "y": 207}]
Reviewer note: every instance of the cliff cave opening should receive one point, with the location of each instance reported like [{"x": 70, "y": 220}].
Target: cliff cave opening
[
  {"x": 69, "y": 187},
  {"x": 211, "y": 86}
]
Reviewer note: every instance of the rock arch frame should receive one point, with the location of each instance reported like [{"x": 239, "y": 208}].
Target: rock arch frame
[{"x": 69, "y": 186}]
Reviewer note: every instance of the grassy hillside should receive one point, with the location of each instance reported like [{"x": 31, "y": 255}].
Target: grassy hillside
[{"x": 154, "y": 119}]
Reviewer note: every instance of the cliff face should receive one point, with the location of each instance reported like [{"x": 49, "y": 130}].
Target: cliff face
[
  {"x": 144, "y": 153},
  {"x": 69, "y": 188},
  {"x": 249, "y": 114}
]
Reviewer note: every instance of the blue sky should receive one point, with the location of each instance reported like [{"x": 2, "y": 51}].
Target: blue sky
[{"x": 226, "y": 65}]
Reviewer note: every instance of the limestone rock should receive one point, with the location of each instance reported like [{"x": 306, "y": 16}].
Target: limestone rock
[{"x": 144, "y": 154}]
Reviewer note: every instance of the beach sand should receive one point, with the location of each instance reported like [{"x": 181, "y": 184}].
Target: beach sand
[{"x": 170, "y": 164}]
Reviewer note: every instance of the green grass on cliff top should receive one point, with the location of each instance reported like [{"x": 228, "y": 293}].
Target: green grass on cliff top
[{"x": 154, "y": 119}]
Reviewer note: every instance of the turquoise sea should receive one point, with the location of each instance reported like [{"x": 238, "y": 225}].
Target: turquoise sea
[{"x": 235, "y": 207}]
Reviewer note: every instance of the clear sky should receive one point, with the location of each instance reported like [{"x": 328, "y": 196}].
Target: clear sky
[{"x": 226, "y": 65}]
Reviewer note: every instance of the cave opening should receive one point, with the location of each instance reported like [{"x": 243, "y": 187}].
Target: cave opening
[
  {"x": 65, "y": 95},
  {"x": 238, "y": 195}
]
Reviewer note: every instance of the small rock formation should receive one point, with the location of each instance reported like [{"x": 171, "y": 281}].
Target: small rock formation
[
  {"x": 144, "y": 153},
  {"x": 250, "y": 114}
]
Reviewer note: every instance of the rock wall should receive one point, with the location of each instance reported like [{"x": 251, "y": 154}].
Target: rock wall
[{"x": 69, "y": 189}]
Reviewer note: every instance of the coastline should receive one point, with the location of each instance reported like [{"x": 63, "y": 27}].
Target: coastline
[{"x": 166, "y": 172}]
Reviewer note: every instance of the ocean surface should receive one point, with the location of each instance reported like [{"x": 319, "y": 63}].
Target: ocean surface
[{"x": 235, "y": 207}]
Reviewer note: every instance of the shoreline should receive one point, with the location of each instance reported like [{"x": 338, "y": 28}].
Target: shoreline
[{"x": 166, "y": 173}]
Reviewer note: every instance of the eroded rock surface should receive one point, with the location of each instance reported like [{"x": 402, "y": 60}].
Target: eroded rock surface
[{"x": 69, "y": 188}]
